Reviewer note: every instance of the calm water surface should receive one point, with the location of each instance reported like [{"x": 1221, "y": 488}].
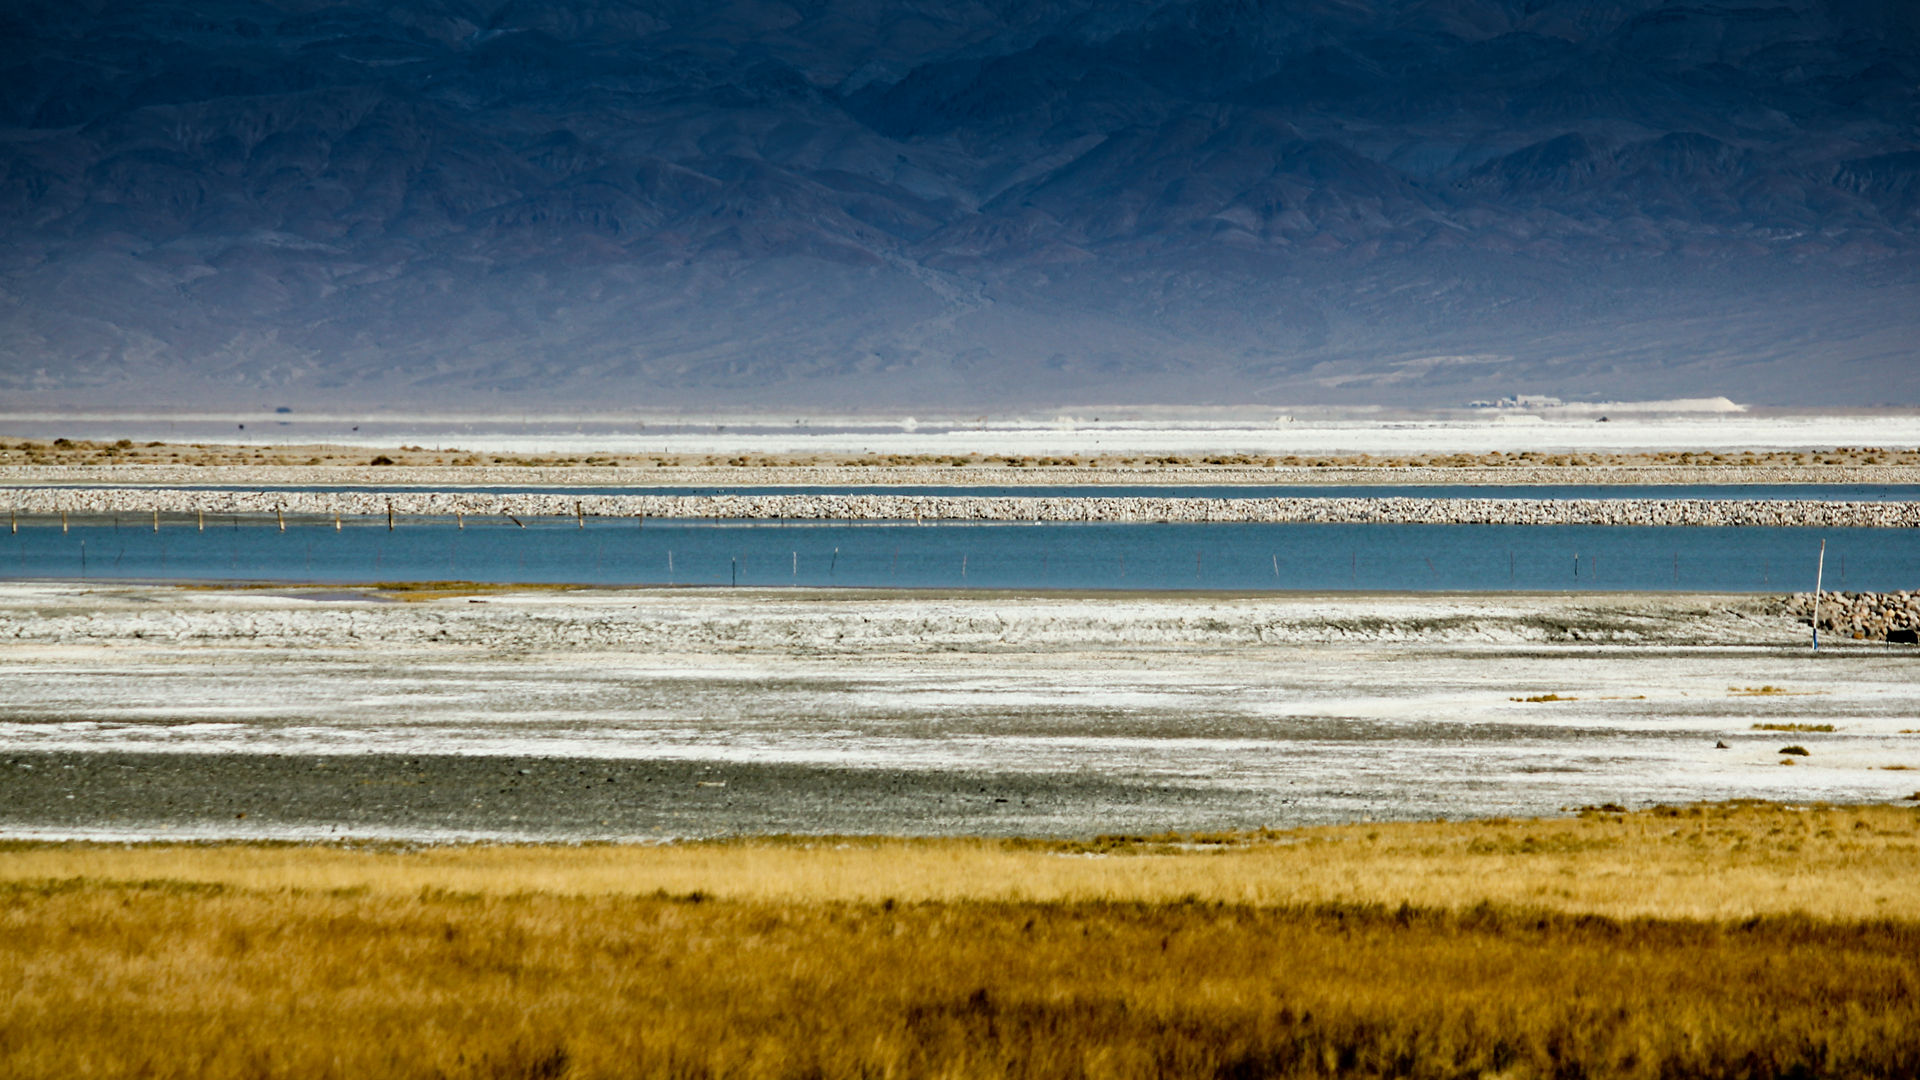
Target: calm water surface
[{"x": 1230, "y": 556}]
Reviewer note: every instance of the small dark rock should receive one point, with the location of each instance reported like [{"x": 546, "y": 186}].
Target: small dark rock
[
  {"x": 1905, "y": 636},
  {"x": 1721, "y": 746}
]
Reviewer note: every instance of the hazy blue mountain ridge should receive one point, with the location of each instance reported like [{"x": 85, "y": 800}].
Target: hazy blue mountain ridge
[{"x": 837, "y": 204}]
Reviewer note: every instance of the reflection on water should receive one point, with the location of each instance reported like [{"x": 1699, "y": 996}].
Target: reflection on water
[{"x": 1232, "y": 556}]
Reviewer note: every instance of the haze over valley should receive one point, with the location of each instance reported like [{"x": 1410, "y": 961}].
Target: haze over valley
[{"x": 838, "y": 205}]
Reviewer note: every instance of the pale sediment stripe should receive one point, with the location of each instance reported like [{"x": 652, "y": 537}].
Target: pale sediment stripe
[
  {"x": 455, "y": 476},
  {"x": 926, "y": 508}
]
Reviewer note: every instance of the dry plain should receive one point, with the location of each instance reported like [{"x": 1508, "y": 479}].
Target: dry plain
[
  {"x": 463, "y": 831},
  {"x": 463, "y": 712},
  {"x": 359, "y": 773},
  {"x": 1730, "y": 940}
]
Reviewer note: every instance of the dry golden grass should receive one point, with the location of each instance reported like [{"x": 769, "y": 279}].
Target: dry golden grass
[
  {"x": 1718, "y": 862},
  {"x": 1752, "y": 941}
]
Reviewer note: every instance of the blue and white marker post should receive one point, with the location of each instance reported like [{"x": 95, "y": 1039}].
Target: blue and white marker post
[{"x": 1818, "y": 573}]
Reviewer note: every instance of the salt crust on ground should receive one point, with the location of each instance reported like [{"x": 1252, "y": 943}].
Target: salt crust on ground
[
  {"x": 903, "y": 475},
  {"x": 942, "y": 713}
]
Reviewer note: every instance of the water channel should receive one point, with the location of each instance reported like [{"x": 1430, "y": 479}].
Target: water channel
[{"x": 974, "y": 555}]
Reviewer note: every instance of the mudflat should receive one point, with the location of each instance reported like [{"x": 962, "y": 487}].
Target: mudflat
[{"x": 467, "y": 712}]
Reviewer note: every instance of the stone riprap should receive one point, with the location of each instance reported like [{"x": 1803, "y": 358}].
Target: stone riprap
[
  {"x": 1862, "y": 616},
  {"x": 866, "y": 507}
]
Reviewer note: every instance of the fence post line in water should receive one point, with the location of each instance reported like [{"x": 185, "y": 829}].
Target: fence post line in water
[
  {"x": 202, "y": 516},
  {"x": 513, "y": 519},
  {"x": 459, "y": 519},
  {"x": 1819, "y": 573},
  {"x": 63, "y": 524},
  {"x": 279, "y": 517},
  {"x": 579, "y": 516},
  {"x": 734, "y": 564},
  {"x": 336, "y": 521},
  {"x": 156, "y": 517},
  {"x": 389, "y": 515}
]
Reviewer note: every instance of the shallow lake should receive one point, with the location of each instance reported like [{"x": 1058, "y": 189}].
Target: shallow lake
[{"x": 1195, "y": 556}]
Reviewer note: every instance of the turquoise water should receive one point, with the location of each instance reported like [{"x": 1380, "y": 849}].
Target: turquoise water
[{"x": 1224, "y": 556}]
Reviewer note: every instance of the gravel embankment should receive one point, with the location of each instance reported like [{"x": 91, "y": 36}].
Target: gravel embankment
[
  {"x": 1862, "y": 616},
  {"x": 43, "y": 501}
]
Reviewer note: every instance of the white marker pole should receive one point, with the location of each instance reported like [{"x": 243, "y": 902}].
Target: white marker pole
[{"x": 1818, "y": 574}]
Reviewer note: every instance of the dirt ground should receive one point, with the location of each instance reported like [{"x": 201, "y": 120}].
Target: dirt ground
[{"x": 144, "y": 711}]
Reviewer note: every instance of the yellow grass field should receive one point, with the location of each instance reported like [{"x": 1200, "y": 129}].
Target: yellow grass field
[{"x": 1725, "y": 940}]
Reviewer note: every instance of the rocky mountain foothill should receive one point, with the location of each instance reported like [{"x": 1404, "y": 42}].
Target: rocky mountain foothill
[{"x": 836, "y": 204}]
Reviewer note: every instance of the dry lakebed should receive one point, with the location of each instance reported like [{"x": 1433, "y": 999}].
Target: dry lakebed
[{"x": 447, "y": 713}]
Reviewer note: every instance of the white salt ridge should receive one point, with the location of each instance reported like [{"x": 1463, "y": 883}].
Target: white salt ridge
[{"x": 1574, "y": 428}]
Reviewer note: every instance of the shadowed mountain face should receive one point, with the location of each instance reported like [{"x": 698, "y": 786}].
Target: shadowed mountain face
[{"x": 840, "y": 203}]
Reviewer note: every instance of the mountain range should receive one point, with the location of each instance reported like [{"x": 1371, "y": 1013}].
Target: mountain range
[{"x": 843, "y": 204}]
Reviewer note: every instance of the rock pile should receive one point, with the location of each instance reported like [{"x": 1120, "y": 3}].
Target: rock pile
[
  {"x": 1862, "y": 616},
  {"x": 876, "y": 507}
]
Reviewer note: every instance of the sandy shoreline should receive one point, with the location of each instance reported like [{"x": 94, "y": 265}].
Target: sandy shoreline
[{"x": 144, "y": 711}]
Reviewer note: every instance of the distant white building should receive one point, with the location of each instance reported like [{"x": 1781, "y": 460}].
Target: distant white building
[{"x": 1518, "y": 401}]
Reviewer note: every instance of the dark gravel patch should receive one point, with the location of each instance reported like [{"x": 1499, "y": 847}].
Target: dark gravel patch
[{"x": 559, "y": 798}]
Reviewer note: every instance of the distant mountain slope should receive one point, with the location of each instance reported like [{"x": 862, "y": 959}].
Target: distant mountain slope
[{"x": 830, "y": 203}]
